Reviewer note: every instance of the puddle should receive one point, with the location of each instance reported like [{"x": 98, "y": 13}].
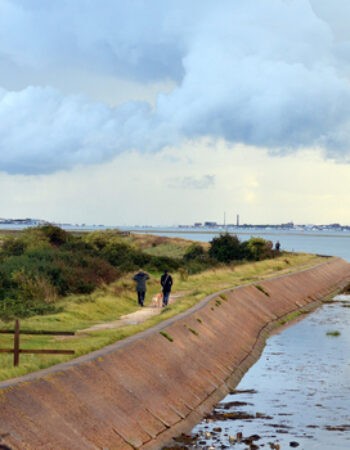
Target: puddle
[{"x": 297, "y": 394}]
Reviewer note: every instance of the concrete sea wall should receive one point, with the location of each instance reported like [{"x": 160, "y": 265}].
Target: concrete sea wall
[{"x": 142, "y": 391}]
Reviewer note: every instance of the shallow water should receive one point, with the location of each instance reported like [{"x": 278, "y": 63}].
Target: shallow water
[{"x": 302, "y": 384}]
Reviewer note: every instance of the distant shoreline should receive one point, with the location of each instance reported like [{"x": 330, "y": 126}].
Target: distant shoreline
[{"x": 253, "y": 232}]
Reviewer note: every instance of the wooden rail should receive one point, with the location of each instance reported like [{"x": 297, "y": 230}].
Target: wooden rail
[{"x": 16, "y": 350}]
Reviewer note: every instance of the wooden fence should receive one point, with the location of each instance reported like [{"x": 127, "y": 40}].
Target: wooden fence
[{"x": 16, "y": 350}]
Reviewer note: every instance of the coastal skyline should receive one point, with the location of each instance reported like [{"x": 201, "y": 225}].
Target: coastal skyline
[{"x": 168, "y": 113}]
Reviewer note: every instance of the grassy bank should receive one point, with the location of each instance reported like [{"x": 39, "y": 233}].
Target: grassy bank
[{"x": 110, "y": 302}]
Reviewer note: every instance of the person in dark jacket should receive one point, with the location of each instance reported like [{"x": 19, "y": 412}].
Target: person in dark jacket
[
  {"x": 166, "y": 281},
  {"x": 141, "y": 277}
]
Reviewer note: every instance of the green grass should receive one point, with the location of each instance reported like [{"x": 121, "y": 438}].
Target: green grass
[
  {"x": 113, "y": 301},
  {"x": 169, "y": 250}
]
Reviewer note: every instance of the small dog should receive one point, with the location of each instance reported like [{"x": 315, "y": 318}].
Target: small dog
[{"x": 157, "y": 301}]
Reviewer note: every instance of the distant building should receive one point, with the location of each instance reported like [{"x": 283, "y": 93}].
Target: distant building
[
  {"x": 287, "y": 225},
  {"x": 198, "y": 224},
  {"x": 210, "y": 224}
]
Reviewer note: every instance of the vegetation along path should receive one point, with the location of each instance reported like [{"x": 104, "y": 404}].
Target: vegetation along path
[
  {"x": 57, "y": 281},
  {"x": 134, "y": 318}
]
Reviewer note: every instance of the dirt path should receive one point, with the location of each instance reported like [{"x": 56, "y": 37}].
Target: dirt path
[{"x": 139, "y": 316}]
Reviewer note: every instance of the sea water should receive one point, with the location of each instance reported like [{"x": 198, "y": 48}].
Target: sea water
[{"x": 297, "y": 393}]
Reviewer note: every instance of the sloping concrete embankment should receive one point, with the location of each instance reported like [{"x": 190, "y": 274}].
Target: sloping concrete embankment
[{"x": 140, "y": 392}]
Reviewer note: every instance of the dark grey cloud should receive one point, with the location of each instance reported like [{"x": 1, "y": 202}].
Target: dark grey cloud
[
  {"x": 192, "y": 182},
  {"x": 267, "y": 73}
]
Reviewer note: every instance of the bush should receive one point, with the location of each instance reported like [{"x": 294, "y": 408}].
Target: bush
[
  {"x": 258, "y": 249},
  {"x": 225, "y": 248},
  {"x": 119, "y": 255},
  {"x": 12, "y": 247},
  {"x": 56, "y": 235},
  {"x": 194, "y": 251},
  {"x": 38, "y": 276}
]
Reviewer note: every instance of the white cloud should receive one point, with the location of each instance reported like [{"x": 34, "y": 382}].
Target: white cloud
[
  {"x": 192, "y": 182},
  {"x": 267, "y": 74},
  {"x": 42, "y": 131}
]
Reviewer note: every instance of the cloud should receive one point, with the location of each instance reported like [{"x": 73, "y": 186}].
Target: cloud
[
  {"x": 42, "y": 131},
  {"x": 268, "y": 74},
  {"x": 189, "y": 182}
]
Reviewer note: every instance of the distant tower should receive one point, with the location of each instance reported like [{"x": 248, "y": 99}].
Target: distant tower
[{"x": 237, "y": 223}]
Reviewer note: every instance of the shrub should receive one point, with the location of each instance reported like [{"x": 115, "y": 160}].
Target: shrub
[
  {"x": 194, "y": 251},
  {"x": 119, "y": 255},
  {"x": 56, "y": 235},
  {"x": 258, "y": 249},
  {"x": 225, "y": 248},
  {"x": 12, "y": 247}
]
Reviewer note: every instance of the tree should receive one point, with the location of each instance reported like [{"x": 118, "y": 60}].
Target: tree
[
  {"x": 225, "y": 248},
  {"x": 258, "y": 249}
]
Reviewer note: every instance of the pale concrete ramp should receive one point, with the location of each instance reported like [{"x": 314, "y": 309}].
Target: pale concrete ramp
[{"x": 142, "y": 391}]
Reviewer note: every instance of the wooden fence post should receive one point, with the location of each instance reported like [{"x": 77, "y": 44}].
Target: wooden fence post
[{"x": 16, "y": 344}]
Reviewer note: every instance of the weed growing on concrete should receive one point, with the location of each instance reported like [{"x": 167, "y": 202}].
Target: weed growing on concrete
[
  {"x": 193, "y": 331},
  {"x": 292, "y": 316},
  {"x": 258, "y": 286},
  {"x": 166, "y": 335}
]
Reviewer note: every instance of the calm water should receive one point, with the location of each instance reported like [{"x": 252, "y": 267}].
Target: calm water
[{"x": 302, "y": 384}]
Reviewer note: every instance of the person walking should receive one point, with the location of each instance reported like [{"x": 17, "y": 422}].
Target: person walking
[
  {"x": 141, "y": 277},
  {"x": 166, "y": 281},
  {"x": 277, "y": 246}
]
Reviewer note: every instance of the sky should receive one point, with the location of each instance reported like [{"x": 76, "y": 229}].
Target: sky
[{"x": 165, "y": 113}]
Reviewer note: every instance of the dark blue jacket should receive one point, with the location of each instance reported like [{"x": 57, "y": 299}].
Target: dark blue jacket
[{"x": 166, "y": 281}]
